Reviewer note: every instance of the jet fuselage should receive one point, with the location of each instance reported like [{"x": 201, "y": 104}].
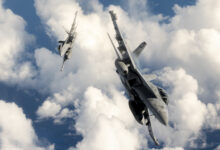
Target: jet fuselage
[{"x": 143, "y": 91}]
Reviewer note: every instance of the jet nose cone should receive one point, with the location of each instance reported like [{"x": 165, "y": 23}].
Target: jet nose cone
[
  {"x": 164, "y": 117},
  {"x": 160, "y": 110}
]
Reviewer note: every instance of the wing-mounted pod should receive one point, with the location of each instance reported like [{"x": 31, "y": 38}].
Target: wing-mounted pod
[{"x": 122, "y": 68}]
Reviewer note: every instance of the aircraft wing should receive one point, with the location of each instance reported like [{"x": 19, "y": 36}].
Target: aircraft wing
[
  {"x": 124, "y": 52},
  {"x": 126, "y": 56},
  {"x": 73, "y": 27}
]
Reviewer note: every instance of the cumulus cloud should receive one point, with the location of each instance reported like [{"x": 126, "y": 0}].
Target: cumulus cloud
[
  {"x": 213, "y": 119},
  {"x": 48, "y": 109},
  {"x": 16, "y": 131},
  {"x": 13, "y": 41},
  {"x": 106, "y": 122},
  {"x": 186, "y": 112},
  {"x": 205, "y": 14},
  {"x": 51, "y": 109},
  {"x": 190, "y": 40},
  {"x": 188, "y": 44},
  {"x": 218, "y": 148}
]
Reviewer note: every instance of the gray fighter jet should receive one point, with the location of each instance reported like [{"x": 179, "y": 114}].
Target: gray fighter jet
[
  {"x": 143, "y": 94},
  {"x": 65, "y": 47}
]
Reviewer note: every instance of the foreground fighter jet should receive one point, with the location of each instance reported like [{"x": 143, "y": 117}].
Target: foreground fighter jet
[
  {"x": 143, "y": 94},
  {"x": 65, "y": 47}
]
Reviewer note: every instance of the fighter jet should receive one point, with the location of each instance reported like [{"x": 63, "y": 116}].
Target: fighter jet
[
  {"x": 65, "y": 47},
  {"x": 143, "y": 94}
]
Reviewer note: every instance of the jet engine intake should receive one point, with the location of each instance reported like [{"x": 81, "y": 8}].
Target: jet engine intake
[
  {"x": 121, "y": 67},
  {"x": 137, "y": 111}
]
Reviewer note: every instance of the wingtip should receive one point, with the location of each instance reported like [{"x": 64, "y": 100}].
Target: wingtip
[
  {"x": 157, "y": 143},
  {"x": 113, "y": 15},
  {"x": 61, "y": 69}
]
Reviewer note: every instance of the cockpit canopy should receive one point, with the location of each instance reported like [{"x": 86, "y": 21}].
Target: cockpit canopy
[
  {"x": 60, "y": 44},
  {"x": 163, "y": 95},
  {"x": 70, "y": 38}
]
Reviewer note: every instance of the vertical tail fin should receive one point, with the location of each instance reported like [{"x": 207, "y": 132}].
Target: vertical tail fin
[{"x": 139, "y": 49}]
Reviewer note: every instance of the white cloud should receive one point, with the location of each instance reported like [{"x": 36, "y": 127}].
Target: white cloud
[
  {"x": 213, "y": 118},
  {"x": 189, "y": 41},
  {"x": 57, "y": 15},
  {"x": 205, "y": 14},
  {"x": 48, "y": 109},
  {"x": 16, "y": 131},
  {"x": 106, "y": 122},
  {"x": 13, "y": 41},
  {"x": 218, "y": 148},
  {"x": 187, "y": 113}
]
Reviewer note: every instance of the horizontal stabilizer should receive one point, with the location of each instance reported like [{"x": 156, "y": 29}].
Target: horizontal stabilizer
[
  {"x": 139, "y": 49},
  {"x": 61, "y": 42},
  {"x": 150, "y": 77}
]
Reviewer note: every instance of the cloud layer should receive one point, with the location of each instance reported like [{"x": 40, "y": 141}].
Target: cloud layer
[
  {"x": 184, "y": 47},
  {"x": 16, "y": 131},
  {"x": 184, "y": 53},
  {"x": 13, "y": 41}
]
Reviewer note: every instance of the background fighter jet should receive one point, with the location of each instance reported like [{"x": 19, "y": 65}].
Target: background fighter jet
[
  {"x": 65, "y": 47},
  {"x": 143, "y": 94}
]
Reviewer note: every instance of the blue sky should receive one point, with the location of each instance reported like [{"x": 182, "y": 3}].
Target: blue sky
[
  {"x": 64, "y": 135},
  {"x": 35, "y": 26}
]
